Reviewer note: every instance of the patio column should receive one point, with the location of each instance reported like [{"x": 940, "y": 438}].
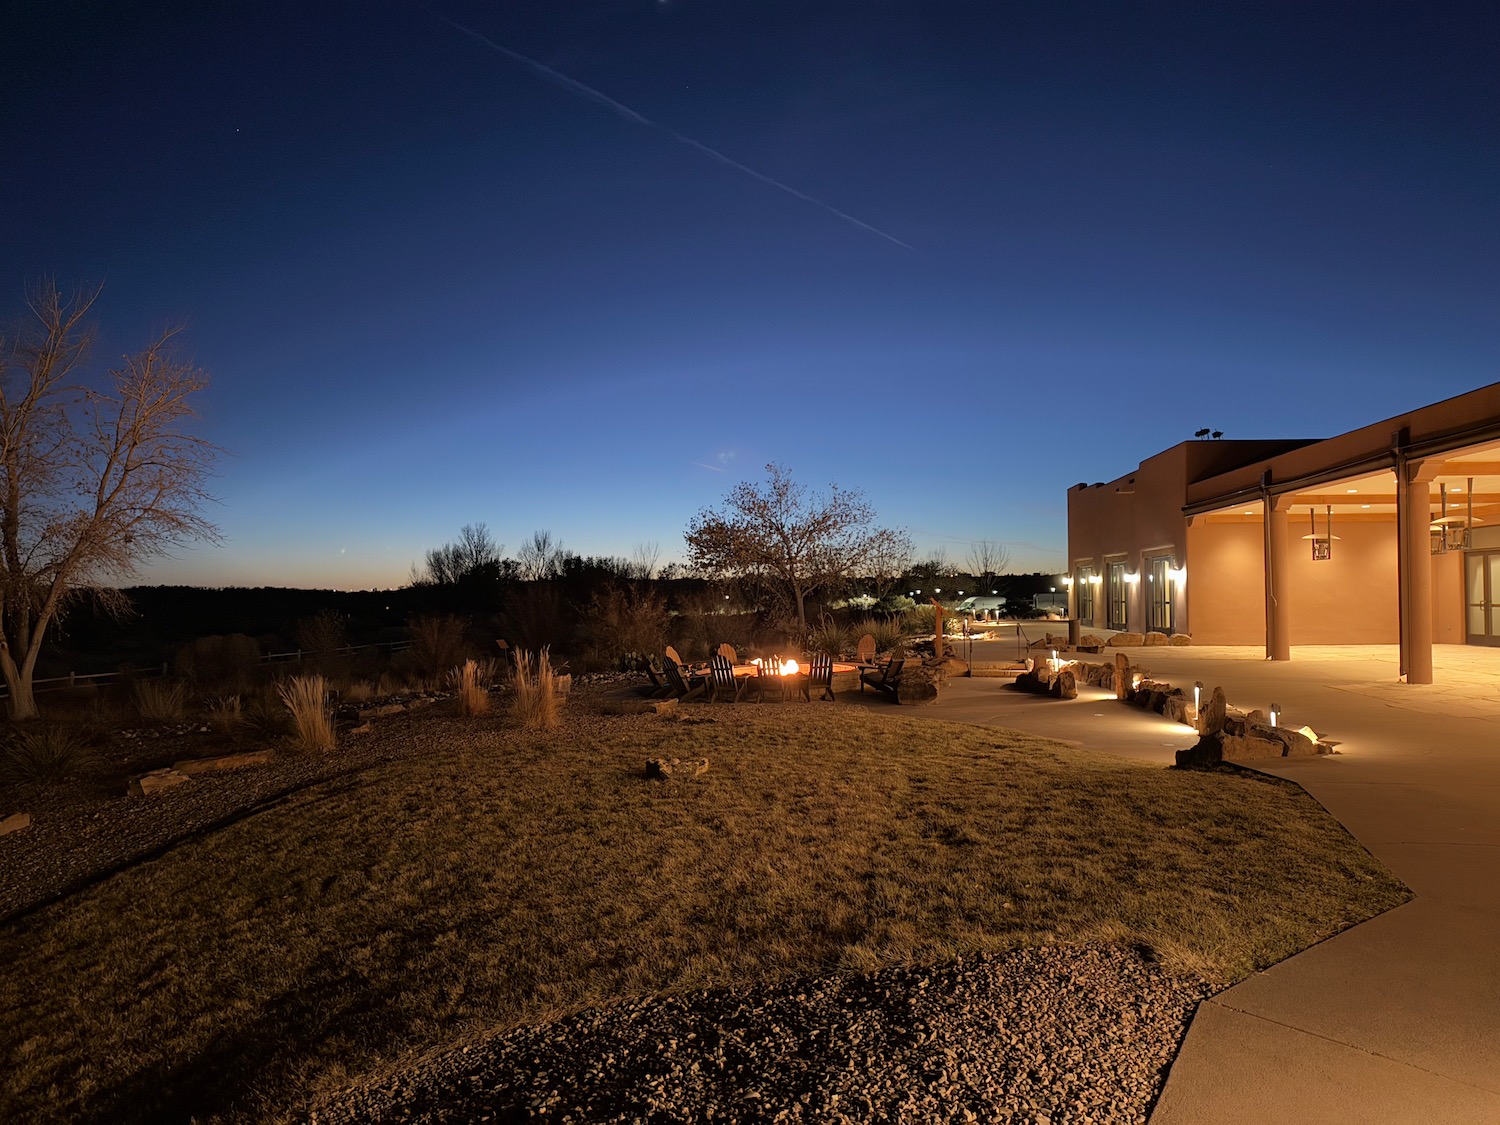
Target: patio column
[
  {"x": 1415, "y": 545},
  {"x": 1278, "y": 567}
]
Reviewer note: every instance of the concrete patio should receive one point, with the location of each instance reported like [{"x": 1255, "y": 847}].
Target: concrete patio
[{"x": 1396, "y": 1020}]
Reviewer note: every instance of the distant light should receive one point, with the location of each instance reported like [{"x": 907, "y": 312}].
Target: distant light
[
  {"x": 939, "y": 590},
  {"x": 1364, "y": 505},
  {"x": 1351, "y": 490}
]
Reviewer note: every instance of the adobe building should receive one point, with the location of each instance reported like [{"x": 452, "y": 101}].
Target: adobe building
[{"x": 1388, "y": 534}]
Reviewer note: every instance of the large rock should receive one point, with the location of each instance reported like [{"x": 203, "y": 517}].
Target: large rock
[
  {"x": 1214, "y": 714},
  {"x": 1207, "y": 751},
  {"x": 918, "y": 685},
  {"x": 1064, "y": 685},
  {"x": 1178, "y": 709},
  {"x": 223, "y": 762},
  {"x": 950, "y": 666},
  {"x": 14, "y": 823},
  {"x": 1090, "y": 642},
  {"x": 1250, "y": 746},
  {"x": 664, "y": 769},
  {"x": 1126, "y": 640},
  {"x": 1179, "y": 640},
  {"x": 382, "y": 710},
  {"x": 1155, "y": 638},
  {"x": 155, "y": 782}
]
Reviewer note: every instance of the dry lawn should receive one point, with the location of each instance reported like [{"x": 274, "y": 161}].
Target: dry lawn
[{"x": 494, "y": 879}]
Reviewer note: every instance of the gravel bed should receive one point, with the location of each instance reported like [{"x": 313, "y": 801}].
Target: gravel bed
[{"x": 1073, "y": 1034}]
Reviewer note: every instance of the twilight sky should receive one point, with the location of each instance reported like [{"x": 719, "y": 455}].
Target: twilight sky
[{"x": 582, "y": 265}]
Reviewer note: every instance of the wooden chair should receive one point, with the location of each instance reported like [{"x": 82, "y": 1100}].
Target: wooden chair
[
  {"x": 726, "y": 650},
  {"x": 679, "y": 688},
  {"x": 721, "y": 680},
  {"x": 819, "y": 673},
  {"x": 765, "y": 680},
  {"x": 864, "y": 651},
  {"x": 886, "y": 679},
  {"x": 659, "y": 685},
  {"x": 673, "y": 657}
]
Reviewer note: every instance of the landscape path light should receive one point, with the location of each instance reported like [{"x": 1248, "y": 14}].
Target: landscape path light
[
  {"x": 1275, "y": 714},
  {"x": 1197, "y": 698}
]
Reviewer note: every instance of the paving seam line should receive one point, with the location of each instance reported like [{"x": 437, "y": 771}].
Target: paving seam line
[{"x": 1352, "y": 1046}]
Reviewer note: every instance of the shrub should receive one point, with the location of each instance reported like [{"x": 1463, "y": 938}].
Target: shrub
[
  {"x": 220, "y": 663},
  {"x": 537, "y": 702},
  {"x": 306, "y": 697},
  {"x": 324, "y": 632},
  {"x": 42, "y": 755},
  {"x": 225, "y": 714},
  {"x": 920, "y": 621},
  {"x": 358, "y": 691},
  {"x": 437, "y": 642},
  {"x": 623, "y": 621},
  {"x": 265, "y": 717},
  {"x": 160, "y": 702},
  {"x": 472, "y": 683},
  {"x": 887, "y": 633},
  {"x": 827, "y": 636}
]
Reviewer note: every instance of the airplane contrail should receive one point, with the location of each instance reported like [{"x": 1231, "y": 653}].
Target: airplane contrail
[{"x": 640, "y": 119}]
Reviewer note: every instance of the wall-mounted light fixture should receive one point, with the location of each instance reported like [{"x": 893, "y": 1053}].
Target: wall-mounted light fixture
[
  {"x": 1096, "y": 579},
  {"x": 1132, "y": 577},
  {"x": 1067, "y": 580},
  {"x": 1176, "y": 573}
]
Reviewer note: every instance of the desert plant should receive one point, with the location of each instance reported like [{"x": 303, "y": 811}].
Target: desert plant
[
  {"x": 828, "y": 636},
  {"x": 472, "y": 683},
  {"x": 623, "y": 619},
  {"x": 42, "y": 755},
  {"x": 264, "y": 716},
  {"x": 160, "y": 702},
  {"x": 225, "y": 714},
  {"x": 536, "y": 696},
  {"x": 306, "y": 697},
  {"x": 887, "y": 633}
]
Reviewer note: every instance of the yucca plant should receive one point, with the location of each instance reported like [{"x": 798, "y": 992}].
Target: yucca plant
[
  {"x": 306, "y": 697},
  {"x": 160, "y": 702},
  {"x": 537, "y": 702},
  {"x": 42, "y": 755},
  {"x": 471, "y": 682}
]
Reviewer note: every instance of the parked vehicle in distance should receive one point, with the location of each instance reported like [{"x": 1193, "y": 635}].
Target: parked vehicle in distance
[{"x": 976, "y": 606}]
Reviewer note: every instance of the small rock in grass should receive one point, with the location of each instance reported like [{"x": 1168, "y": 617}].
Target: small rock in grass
[{"x": 15, "y": 822}]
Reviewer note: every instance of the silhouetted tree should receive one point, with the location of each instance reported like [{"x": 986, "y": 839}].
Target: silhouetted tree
[
  {"x": 793, "y": 543},
  {"x": 92, "y": 481}
]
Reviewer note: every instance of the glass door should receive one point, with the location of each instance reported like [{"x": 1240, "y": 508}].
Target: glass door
[
  {"x": 1116, "y": 615},
  {"x": 1159, "y": 580},
  {"x": 1481, "y": 589}
]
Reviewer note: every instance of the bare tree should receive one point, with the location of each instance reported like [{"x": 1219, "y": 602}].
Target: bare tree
[
  {"x": 644, "y": 560},
  {"x": 92, "y": 482},
  {"x": 475, "y": 554},
  {"x": 794, "y": 543},
  {"x": 987, "y": 558},
  {"x": 540, "y": 558}
]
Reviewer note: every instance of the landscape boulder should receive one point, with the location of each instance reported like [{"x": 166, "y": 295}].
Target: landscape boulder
[
  {"x": 1126, "y": 640},
  {"x": 1064, "y": 685},
  {"x": 193, "y": 766},
  {"x": 1214, "y": 714},
  {"x": 14, "y": 823},
  {"x": 1179, "y": 640},
  {"x": 665, "y": 769},
  {"x": 1090, "y": 642},
  {"x": 918, "y": 685},
  {"x": 155, "y": 781},
  {"x": 1178, "y": 708},
  {"x": 1155, "y": 638}
]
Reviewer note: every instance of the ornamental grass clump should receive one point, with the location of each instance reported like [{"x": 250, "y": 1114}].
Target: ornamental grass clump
[
  {"x": 471, "y": 682},
  {"x": 160, "y": 702},
  {"x": 42, "y": 755},
  {"x": 537, "y": 705},
  {"x": 226, "y": 714},
  {"x": 306, "y": 697}
]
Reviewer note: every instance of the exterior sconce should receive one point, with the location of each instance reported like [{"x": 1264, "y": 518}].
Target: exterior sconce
[
  {"x": 1096, "y": 579},
  {"x": 1177, "y": 573},
  {"x": 1068, "y": 581},
  {"x": 1132, "y": 578},
  {"x": 1275, "y": 714}
]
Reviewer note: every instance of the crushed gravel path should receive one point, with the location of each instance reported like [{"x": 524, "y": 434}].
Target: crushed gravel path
[{"x": 1054, "y": 1034}]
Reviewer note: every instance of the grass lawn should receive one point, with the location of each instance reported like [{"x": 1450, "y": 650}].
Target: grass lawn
[{"x": 491, "y": 879}]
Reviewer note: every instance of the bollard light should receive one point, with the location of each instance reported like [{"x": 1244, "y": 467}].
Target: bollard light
[
  {"x": 1275, "y": 714},
  {"x": 1197, "y": 699}
]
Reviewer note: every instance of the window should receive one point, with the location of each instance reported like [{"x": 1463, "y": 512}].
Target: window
[
  {"x": 1085, "y": 587},
  {"x": 1159, "y": 594},
  {"x": 1115, "y": 618}
]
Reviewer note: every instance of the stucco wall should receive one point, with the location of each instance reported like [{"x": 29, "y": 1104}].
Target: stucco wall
[
  {"x": 1351, "y": 598},
  {"x": 1448, "y": 598}
]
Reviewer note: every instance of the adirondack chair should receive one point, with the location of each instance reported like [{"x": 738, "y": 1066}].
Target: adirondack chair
[
  {"x": 726, "y": 650},
  {"x": 658, "y": 678},
  {"x": 864, "y": 651},
  {"x": 819, "y": 673},
  {"x": 886, "y": 679},
  {"x": 677, "y": 686},
  {"x": 673, "y": 657},
  {"x": 766, "y": 680},
  {"x": 722, "y": 682}
]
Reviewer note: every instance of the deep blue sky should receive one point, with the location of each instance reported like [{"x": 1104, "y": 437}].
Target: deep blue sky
[{"x": 437, "y": 286}]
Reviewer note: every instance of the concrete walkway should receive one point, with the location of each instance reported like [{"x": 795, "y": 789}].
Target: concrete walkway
[{"x": 1396, "y": 1020}]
